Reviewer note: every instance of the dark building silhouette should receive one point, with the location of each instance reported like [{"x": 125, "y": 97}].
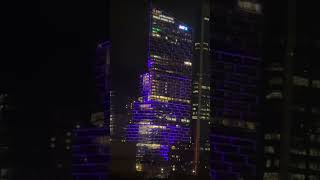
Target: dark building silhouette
[
  {"x": 292, "y": 82},
  {"x": 91, "y": 147},
  {"x": 5, "y": 110},
  {"x": 60, "y": 147},
  {"x": 113, "y": 116},
  {"x": 236, "y": 39},
  {"x": 277, "y": 89},
  {"x": 119, "y": 117},
  {"x": 201, "y": 118}
]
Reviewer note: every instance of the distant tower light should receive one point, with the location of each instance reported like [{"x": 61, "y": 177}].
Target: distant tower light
[{"x": 185, "y": 28}]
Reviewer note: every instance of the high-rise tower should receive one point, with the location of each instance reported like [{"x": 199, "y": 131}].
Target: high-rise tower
[
  {"x": 92, "y": 140},
  {"x": 292, "y": 108},
  {"x": 236, "y": 38},
  {"x": 201, "y": 90},
  {"x": 162, "y": 115}
]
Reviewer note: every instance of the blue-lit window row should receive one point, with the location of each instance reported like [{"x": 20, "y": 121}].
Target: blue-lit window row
[{"x": 90, "y": 153}]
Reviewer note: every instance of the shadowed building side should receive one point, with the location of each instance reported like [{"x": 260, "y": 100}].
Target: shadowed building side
[
  {"x": 91, "y": 148},
  {"x": 236, "y": 39}
]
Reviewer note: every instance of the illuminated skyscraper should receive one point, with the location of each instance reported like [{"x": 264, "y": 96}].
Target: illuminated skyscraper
[
  {"x": 236, "y": 38},
  {"x": 162, "y": 115},
  {"x": 91, "y": 140},
  {"x": 201, "y": 90}
]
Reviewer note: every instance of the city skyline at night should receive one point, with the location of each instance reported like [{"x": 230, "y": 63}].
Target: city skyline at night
[{"x": 160, "y": 89}]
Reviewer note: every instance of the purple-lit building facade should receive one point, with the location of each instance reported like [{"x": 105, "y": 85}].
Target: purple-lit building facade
[
  {"x": 236, "y": 68},
  {"x": 90, "y": 151},
  {"x": 161, "y": 116}
]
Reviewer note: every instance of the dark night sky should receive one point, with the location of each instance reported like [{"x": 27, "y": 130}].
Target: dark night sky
[
  {"x": 128, "y": 35},
  {"x": 47, "y": 50},
  {"x": 65, "y": 36}
]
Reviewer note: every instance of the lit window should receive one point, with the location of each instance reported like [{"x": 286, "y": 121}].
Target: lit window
[
  {"x": 150, "y": 146},
  {"x": 271, "y": 176},
  {"x": 205, "y": 87},
  {"x": 298, "y": 151},
  {"x": 268, "y": 163},
  {"x": 168, "y": 118},
  {"x": 297, "y": 177},
  {"x": 250, "y": 125},
  {"x": 154, "y": 29},
  {"x": 162, "y": 17},
  {"x": 300, "y": 81},
  {"x": 185, "y": 120},
  {"x": 249, "y": 6},
  {"x": 314, "y": 152},
  {"x": 272, "y": 136},
  {"x": 275, "y": 67},
  {"x": 138, "y": 167},
  {"x": 156, "y": 35},
  {"x": 269, "y": 149},
  {"x": 316, "y": 83},
  {"x": 185, "y": 28},
  {"x": 173, "y": 168},
  {"x": 275, "y": 95},
  {"x": 187, "y": 63},
  {"x": 145, "y": 106}
]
